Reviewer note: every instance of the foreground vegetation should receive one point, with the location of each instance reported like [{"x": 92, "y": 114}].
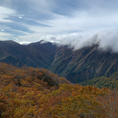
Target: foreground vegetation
[{"x": 38, "y": 93}]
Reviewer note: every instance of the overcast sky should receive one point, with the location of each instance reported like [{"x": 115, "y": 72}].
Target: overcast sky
[{"x": 56, "y": 20}]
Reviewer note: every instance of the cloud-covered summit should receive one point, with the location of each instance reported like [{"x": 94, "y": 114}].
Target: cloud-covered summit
[{"x": 63, "y": 21}]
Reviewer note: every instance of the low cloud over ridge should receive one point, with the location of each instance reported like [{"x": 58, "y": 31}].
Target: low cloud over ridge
[{"x": 77, "y": 23}]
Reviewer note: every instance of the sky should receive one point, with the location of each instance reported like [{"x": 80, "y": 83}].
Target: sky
[{"x": 74, "y": 22}]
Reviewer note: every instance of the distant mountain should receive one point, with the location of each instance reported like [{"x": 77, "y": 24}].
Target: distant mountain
[
  {"x": 76, "y": 65},
  {"x": 35, "y": 54}
]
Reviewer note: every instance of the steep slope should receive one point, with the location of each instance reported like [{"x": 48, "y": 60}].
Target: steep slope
[
  {"x": 14, "y": 53},
  {"x": 76, "y": 65},
  {"x": 42, "y": 54},
  {"x": 85, "y": 63}
]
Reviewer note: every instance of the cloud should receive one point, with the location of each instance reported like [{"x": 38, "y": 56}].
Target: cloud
[
  {"x": 74, "y": 22},
  {"x": 5, "y": 13},
  {"x": 106, "y": 39},
  {"x": 4, "y": 36}
]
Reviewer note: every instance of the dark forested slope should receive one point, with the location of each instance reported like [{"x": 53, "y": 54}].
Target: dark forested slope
[{"x": 76, "y": 65}]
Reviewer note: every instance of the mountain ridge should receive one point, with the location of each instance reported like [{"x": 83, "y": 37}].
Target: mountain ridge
[{"x": 76, "y": 65}]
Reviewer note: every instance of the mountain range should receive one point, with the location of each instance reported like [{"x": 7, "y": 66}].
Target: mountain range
[{"x": 76, "y": 65}]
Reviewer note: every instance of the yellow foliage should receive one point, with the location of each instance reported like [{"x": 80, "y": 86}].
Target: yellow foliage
[{"x": 25, "y": 93}]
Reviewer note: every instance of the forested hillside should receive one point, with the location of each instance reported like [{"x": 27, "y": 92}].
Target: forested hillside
[
  {"x": 101, "y": 82},
  {"x": 76, "y": 65},
  {"x": 37, "y": 93}
]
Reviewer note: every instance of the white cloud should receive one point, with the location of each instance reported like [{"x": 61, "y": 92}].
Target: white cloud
[
  {"x": 106, "y": 38},
  {"x": 4, "y": 36},
  {"x": 5, "y": 13},
  {"x": 43, "y": 6},
  {"x": 94, "y": 21},
  {"x": 78, "y": 22}
]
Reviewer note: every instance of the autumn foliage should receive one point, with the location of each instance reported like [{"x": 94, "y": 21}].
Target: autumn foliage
[{"x": 38, "y": 93}]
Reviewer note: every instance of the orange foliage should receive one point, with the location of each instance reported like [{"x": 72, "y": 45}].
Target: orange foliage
[{"x": 38, "y": 93}]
